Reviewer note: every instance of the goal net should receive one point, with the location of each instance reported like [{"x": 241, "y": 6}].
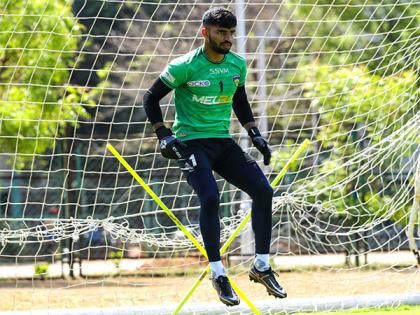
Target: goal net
[{"x": 77, "y": 230}]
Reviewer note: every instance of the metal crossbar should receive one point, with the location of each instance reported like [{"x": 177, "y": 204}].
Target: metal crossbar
[{"x": 191, "y": 237}]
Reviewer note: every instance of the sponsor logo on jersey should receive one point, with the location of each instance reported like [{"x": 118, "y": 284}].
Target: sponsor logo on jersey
[
  {"x": 236, "y": 79},
  {"x": 202, "y": 83},
  {"x": 213, "y": 100},
  {"x": 168, "y": 76},
  {"x": 219, "y": 70}
]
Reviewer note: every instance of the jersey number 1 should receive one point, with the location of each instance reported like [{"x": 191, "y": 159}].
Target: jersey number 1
[{"x": 221, "y": 86}]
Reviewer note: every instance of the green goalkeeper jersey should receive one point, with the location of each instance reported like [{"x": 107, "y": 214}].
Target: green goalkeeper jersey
[{"x": 203, "y": 93}]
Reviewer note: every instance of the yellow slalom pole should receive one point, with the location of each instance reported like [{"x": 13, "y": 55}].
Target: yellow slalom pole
[
  {"x": 273, "y": 185},
  {"x": 192, "y": 289},
  {"x": 175, "y": 220},
  {"x": 156, "y": 198},
  {"x": 241, "y": 226}
]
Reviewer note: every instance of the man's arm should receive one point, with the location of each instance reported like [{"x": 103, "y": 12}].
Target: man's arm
[
  {"x": 250, "y": 125},
  {"x": 151, "y": 102},
  {"x": 170, "y": 147},
  {"x": 243, "y": 111},
  {"x": 242, "y": 108}
]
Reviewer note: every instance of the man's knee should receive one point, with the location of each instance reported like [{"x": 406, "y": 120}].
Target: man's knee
[
  {"x": 210, "y": 201},
  {"x": 263, "y": 191},
  {"x": 267, "y": 191}
]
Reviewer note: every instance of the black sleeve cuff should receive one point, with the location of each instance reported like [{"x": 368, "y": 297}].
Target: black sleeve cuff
[
  {"x": 163, "y": 132},
  {"x": 254, "y": 132}
]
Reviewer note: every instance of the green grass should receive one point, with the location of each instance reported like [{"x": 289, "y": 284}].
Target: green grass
[{"x": 401, "y": 310}]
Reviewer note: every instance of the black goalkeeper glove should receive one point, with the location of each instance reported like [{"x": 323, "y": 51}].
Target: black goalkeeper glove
[
  {"x": 170, "y": 147},
  {"x": 261, "y": 144}
]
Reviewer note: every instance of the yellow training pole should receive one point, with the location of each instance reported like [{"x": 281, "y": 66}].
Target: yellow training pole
[
  {"x": 240, "y": 227},
  {"x": 175, "y": 219},
  {"x": 273, "y": 184},
  {"x": 156, "y": 198}
]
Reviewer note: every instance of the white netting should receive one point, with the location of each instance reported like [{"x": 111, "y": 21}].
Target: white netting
[{"x": 343, "y": 74}]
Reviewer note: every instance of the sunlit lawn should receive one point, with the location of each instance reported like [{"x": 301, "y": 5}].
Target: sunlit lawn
[{"x": 402, "y": 310}]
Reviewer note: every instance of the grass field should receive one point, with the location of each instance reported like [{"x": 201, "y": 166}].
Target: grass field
[
  {"x": 402, "y": 310},
  {"x": 135, "y": 291}
]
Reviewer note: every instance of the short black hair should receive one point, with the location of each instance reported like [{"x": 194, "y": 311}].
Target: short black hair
[{"x": 220, "y": 17}]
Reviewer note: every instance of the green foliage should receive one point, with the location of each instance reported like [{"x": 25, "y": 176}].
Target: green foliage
[
  {"x": 384, "y": 37},
  {"x": 357, "y": 109},
  {"x": 350, "y": 98},
  {"x": 280, "y": 158},
  {"x": 358, "y": 105},
  {"x": 38, "y": 41}
]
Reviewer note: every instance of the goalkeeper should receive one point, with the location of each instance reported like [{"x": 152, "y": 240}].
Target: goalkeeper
[{"x": 208, "y": 82}]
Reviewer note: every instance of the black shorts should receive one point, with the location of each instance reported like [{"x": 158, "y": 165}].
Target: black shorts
[{"x": 222, "y": 155}]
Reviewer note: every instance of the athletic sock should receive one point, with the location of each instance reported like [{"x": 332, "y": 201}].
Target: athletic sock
[
  {"x": 217, "y": 269},
  {"x": 261, "y": 262}
]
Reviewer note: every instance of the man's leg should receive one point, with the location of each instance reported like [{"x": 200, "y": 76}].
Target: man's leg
[
  {"x": 243, "y": 172},
  {"x": 200, "y": 178},
  {"x": 240, "y": 170},
  {"x": 204, "y": 184}
]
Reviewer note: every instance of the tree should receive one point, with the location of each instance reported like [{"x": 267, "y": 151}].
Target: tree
[
  {"x": 38, "y": 41},
  {"x": 358, "y": 75},
  {"x": 358, "y": 110},
  {"x": 381, "y": 36}
]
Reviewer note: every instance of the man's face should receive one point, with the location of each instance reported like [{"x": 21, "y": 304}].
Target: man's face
[{"x": 220, "y": 39}]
